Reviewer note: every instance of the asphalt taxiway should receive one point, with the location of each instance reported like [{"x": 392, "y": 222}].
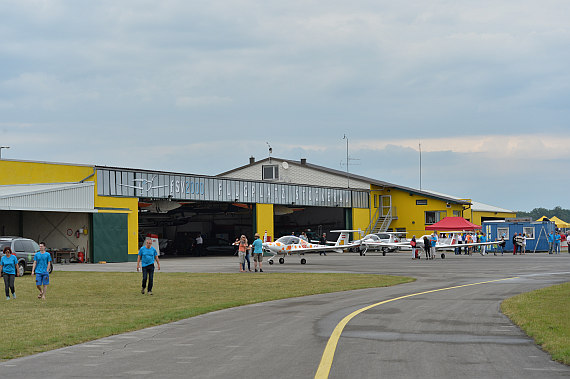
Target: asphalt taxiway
[{"x": 432, "y": 331}]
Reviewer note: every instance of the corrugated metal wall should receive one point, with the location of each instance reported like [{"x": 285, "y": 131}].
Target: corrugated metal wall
[{"x": 78, "y": 197}]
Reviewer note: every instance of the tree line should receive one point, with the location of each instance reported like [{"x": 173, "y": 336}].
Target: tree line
[{"x": 563, "y": 214}]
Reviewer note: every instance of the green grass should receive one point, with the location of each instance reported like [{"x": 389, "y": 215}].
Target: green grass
[
  {"x": 545, "y": 316},
  {"x": 83, "y": 306}
]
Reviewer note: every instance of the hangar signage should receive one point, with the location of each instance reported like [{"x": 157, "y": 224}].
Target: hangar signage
[{"x": 158, "y": 185}]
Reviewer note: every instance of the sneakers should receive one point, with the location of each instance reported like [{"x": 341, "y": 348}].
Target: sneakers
[
  {"x": 150, "y": 292},
  {"x": 14, "y": 295},
  {"x": 255, "y": 270},
  {"x": 260, "y": 270},
  {"x": 7, "y": 297},
  {"x": 142, "y": 291}
]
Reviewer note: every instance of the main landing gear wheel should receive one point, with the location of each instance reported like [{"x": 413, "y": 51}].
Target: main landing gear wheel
[
  {"x": 281, "y": 260},
  {"x": 303, "y": 261},
  {"x": 442, "y": 256},
  {"x": 270, "y": 261}
]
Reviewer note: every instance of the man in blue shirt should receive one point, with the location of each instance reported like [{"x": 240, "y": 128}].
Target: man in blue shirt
[
  {"x": 433, "y": 241},
  {"x": 257, "y": 252},
  {"x": 41, "y": 267},
  {"x": 146, "y": 258},
  {"x": 557, "y": 240},
  {"x": 9, "y": 270}
]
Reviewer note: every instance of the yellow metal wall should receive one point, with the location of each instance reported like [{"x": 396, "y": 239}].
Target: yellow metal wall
[
  {"x": 264, "y": 220},
  {"x": 476, "y": 216},
  {"x": 18, "y": 172},
  {"x": 360, "y": 220}
]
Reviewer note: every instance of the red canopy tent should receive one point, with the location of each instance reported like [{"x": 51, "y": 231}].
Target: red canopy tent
[{"x": 453, "y": 224}]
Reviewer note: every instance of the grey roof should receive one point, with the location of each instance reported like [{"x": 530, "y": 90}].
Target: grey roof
[{"x": 357, "y": 177}]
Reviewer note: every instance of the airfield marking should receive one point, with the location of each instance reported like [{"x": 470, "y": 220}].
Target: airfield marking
[{"x": 325, "y": 365}]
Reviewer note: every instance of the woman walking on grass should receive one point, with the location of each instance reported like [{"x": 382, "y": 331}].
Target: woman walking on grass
[{"x": 9, "y": 270}]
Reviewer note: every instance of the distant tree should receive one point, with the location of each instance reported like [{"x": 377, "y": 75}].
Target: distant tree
[{"x": 558, "y": 211}]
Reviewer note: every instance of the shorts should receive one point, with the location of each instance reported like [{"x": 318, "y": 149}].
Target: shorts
[
  {"x": 257, "y": 257},
  {"x": 241, "y": 256},
  {"x": 42, "y": 279}
]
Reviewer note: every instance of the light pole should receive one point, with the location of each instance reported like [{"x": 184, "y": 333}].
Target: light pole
[{"x": 3, "y": 147}]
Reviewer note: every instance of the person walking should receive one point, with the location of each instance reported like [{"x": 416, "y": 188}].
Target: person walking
[
  {"x": 323, "y": 241},
  {"x": 9, "y": 271},
  {"x": 257, "y": 252},
  {"x": 199, "y": 245},
  {"x": 41, "y": 268},
  {"x": 146, "y": 258}
]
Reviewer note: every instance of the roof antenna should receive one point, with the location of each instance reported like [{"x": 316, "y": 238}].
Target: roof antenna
[{"x": 270, "y": 150}]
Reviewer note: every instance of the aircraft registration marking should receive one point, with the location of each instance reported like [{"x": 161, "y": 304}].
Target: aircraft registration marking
[{"x": 325, "y": 365}]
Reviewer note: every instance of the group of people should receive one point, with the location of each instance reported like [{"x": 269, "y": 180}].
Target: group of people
[
  {"x": 41, "y": 268},
  {"x": 554, "y": 242},
  {"x": 244, "y": 249}
]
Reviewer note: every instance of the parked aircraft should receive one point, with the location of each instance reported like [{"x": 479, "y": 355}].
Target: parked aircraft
[
  {"x": 288, "y": 245},
  {"x": 447, "y": 243},
  {"x": 383, "y": 241}
]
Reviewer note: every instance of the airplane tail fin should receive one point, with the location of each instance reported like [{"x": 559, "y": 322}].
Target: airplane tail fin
[{"x": 344, "y": 236}]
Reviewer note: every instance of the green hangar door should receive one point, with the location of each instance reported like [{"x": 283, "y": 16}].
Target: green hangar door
[{"x": 110, "y": 237}]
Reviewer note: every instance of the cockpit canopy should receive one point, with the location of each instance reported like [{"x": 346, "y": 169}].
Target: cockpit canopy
[{"x": 289, "y": 240}]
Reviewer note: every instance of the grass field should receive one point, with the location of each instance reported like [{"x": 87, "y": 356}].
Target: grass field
[
  {"x": 545, "y": 316},
  {"x": 83, "y": 306}
]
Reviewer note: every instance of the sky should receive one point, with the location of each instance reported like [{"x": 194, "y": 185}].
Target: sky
[{"x": 200, "y": 86}]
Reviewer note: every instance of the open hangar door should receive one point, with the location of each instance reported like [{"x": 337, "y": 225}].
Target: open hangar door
[
  {"x": 65, "y": 233},
  {"x": 312, "y": 220},
  {"x": 177, "y": 224}
]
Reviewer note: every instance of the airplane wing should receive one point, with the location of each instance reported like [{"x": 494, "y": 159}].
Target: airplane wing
[
  {"x": 455, "y": 245},
  {"x": 321, "y": 249}
]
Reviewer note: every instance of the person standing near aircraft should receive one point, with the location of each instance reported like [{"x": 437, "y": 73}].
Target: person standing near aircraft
[
  {"x": 413, "y": 244},
  {"x": 41, "y": 268},
  {"x": 427, "y": 247},
  {"x": 323, "y": 241},
  {"x": 524, "y": 243},
  {"x": 483, "y": 238},
  {"x": 557, "y": 240},
  {"x": 257, "y": 252},
  {"x": 199, "y": 245},
  {"x": 514, "y": 241},
  {"x": 146, "y": 258},
  {"x": 9, "y": 270},
  {"x": 433, "y": 243},
  {"x": 242, "y": 249}
]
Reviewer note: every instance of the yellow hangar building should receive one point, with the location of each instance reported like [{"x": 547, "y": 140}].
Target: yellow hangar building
[{"x": 104, "y": 213}]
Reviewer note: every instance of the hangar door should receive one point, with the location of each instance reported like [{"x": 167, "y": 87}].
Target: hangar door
[{"x": 110, "y": 237}]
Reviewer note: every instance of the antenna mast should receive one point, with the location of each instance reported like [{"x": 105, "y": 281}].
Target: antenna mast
[{"x": 420, "y": 145}]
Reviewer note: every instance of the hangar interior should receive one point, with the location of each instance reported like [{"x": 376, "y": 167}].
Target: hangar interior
[
  {"x": 64, "y": 233},
  {"x": 177, "y": 225}
]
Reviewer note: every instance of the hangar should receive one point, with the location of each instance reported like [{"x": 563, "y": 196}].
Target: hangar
[{"x": 105, "y": 212}]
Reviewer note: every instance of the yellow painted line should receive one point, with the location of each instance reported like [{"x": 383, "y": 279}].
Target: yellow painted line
[{"x": 328, "y": 355}]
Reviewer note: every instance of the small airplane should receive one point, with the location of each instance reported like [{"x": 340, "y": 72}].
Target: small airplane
[
  {"x": 384, "y": 241},
  {"x": 288, "y": 245},
  {"x": 446, "y": 243}
]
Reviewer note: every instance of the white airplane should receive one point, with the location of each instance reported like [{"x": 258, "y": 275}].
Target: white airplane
[
  {"x": 447, "y": 243},
  {"x": 288, "y": 245},
  {"x": 384, "y": 241}
]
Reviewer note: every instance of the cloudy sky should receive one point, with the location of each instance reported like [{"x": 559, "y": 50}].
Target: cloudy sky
[{"x": 200, "y": 86}]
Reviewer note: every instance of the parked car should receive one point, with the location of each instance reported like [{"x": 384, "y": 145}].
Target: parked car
[{"x": 24, "y": 249}]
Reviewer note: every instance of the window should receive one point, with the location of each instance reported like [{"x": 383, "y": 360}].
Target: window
[
  {"x": 19, "y": 246},
  {"x": 503, "y": 232},
  {"x": 434, "y": 216},
  {"x": 270, "y": 172},
  {"x": 529, "y": 231},
  {"x": 421, "y": 202},
  {"x": 456, "y": 213}
]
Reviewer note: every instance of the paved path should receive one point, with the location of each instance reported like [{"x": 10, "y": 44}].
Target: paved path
[{"x": 448, "y": 334}]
